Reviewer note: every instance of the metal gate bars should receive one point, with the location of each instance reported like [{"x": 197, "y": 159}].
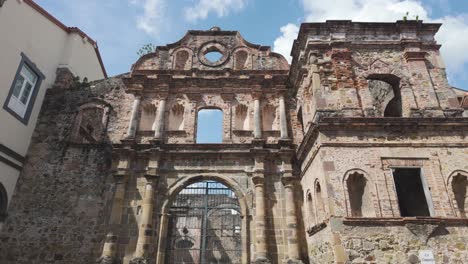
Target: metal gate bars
[{"x": 204, "y": 225}]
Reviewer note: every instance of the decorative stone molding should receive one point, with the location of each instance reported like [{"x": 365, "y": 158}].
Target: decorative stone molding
[
  {"x": 415, "y": 55},
  {"x": 213, "y": 46}
]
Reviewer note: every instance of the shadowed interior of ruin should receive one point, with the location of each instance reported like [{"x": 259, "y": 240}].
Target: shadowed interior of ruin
[{"x": 410, "y": 190}]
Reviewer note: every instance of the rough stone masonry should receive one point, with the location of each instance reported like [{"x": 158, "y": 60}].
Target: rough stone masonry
[{"x": 357, "y": 152}]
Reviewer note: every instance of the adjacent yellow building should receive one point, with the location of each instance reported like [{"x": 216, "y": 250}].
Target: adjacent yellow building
[{"x": 34, "y": 45}]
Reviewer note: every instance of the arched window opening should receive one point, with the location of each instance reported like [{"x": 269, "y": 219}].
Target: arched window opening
[
  {"x": 209, "y": 126},
  {"x": 241, "y": 121},
  {"x": 176, "y": 117},
  {"x": 147, "y": 117},
  {"x": 310, "y": 210},
  {"x": 204, "y": 225},
  {"x": 393, "y": 108},
  {"x": 413, "y": 193},
  {"x": 319, "y": 204},
  {"x": 91, "y": 122},
  {"x": 301, "y": 119},
  {"x": 360, "y": 196},
  {"x": 3, "y": 203},
  {"x": 385, "y": 91},
  {"x": 459, "y": 188},
  {"x": 269, "y": 121}
]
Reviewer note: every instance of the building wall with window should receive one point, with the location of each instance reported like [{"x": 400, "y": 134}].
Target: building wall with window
[
  {"x": 384, "y": 135},
  {"x": 34, "y": 46},
  {"x": 354, "y": 153}
]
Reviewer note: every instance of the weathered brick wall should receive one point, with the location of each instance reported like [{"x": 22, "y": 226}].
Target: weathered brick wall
[
  {"x": 373, "y": 152},
  {"x": 405, "y": 55}
]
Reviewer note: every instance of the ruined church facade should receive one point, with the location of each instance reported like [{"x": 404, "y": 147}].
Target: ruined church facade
[{"x": 357, "y": 152}]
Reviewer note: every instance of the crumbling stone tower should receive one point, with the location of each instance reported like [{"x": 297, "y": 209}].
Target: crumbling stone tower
[
  {"x": 384, "y": 156},
  {"x": 354, "y": 153}
]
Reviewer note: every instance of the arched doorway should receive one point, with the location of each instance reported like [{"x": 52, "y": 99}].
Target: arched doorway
[{"x": 204, "y": 225}]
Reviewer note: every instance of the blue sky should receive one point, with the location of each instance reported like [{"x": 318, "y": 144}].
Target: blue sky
[{"x": 121, "y": 27}]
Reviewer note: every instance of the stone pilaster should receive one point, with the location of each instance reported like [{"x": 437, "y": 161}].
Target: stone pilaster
[
  {"x": 132, "y": 126},
  {"x": 258, "y": 179},
  {"x": 159, "y": 122},
  {"x": 227, "y": 122},
  {"x": 289, "y": 183},
  {"x": 421, "y": 82},
  {"x": 283, "y": 118},
  {"x": 146, "y": 230},
  {"x": 257, "y": 116},
  {"x": 109, "y": 251}
]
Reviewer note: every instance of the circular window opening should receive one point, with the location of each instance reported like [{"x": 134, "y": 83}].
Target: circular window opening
[{"x": 213, "y": 56}]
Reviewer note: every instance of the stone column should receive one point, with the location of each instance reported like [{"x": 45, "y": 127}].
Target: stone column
[
  {"x": 257, "y": 116},
  {"x": 132, "y": 126},
  {"x": 145, "y": 230},
  {"x": 260, "y": 217},
  {"x": 289, "y": 182},
  {"x": 159, "y": 122},
  {"x": 109, "y": 251},
  {"x": 283, "y": 118}
]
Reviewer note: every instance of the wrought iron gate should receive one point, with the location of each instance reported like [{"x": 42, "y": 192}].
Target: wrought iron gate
[{"x": 204, "y": 225}]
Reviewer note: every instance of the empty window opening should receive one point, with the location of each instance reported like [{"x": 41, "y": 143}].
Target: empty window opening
[
  {"x": 319, "y": 205},
  {"x": 147, "y": 118},
  {"x": 393, "y": 108},
  {"x": 412, "y": 191},
  {"x": 213, "y": 56},
  {"x": 269, "y": 121},
  {"x": 210, "y": 126},
  {"x": 176, "y": 117},
  {"x": 204, "y": 225},
  {"x": 385, "y": 90},
  {"x": 242, "y": 117},
  {"x": 360, "y": 197},
  {"x": 310, "y": 210},
  {"x": 300, "y": 119},
  {"x": 459, "y": 187}
]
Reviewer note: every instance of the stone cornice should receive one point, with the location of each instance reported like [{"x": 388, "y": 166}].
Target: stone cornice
[
  {"x": 380, "y": 125},
  {"x": 164, "y": 81}
]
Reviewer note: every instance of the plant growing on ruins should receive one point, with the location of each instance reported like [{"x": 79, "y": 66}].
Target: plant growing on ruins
[
  {"x": 405, "y": 17},
  {"x": 146, "y": 49}
]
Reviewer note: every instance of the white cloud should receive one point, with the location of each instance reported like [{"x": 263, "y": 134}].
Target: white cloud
[
  {"x": 221, "y": 7},
  {"x": 152, "y": 19},
  {"x": 453, "y": 35},
  {"x": 283, "y": 44}
]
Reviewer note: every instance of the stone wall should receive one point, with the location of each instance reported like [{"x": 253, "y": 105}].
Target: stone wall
[
  {"x": 374, "y": 97},
  {"x": 309, "y": 151},
  {"x": 61, "y": 202},
  {"x": 108, "y": 158}
]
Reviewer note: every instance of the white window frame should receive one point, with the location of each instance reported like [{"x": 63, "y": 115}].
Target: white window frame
[{"x": 23, "y": 91}]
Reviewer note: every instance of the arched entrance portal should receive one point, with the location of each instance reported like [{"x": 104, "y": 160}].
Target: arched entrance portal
[{"x": 204, "y": 225}]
